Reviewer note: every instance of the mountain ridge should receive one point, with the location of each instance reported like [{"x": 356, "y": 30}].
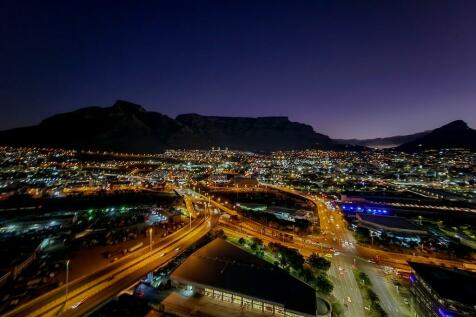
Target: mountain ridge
[
  {"x": 384, "y": 142},
  {"x": 128, "y": 127},
  {"x": 456, "y": 134}
]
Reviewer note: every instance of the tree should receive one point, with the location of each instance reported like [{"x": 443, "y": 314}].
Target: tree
[
  {"x": 306, "y": 274},
  {"x": 275, "y": 247},
  {"x": 218, "y": 234},
  {"x": 379, "y": 310},
  {"x": 372, "y": 296},
  {"x": 337, "y": 309},
  {"x": 293, "y": 258},
  {"x": 257, "y": 243},
  {"x": 319, "y": 263},
  {"x": 241, "y": 241},
  {"x": 287, "y": 256},
  {"x": 365, "y": 278},
  {"x": 362, "y": 235},
  {"x": 324, "y": 285}
]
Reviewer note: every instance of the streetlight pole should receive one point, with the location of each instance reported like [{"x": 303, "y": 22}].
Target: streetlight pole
[
  {"x": 150, "y": 238},
  {"x": 67, "y": 282}
]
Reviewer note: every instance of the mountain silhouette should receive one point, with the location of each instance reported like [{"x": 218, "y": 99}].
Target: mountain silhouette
[
  {"x": 455, "y": 134},
  {"x": 128, "y": 127}
]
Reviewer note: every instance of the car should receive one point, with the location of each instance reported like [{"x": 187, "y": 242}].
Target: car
[
  {"x": 336, "y": 253},
  {"x": 328, "y": 255},
  {"x": 177, "y": 249},
  {"x": 162, "y": 254},
  {"x": 14, "y": 302},
  {"x": 77, "y": 304}
]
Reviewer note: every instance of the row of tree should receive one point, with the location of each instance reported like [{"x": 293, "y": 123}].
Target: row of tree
[{"x": 373, "y": 298}]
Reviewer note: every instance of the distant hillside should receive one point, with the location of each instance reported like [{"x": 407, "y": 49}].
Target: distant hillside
[
  {"x": 456, "y": 134},
  {"x": 128, "y": 127},
  {"x": 382, "y": 143}
]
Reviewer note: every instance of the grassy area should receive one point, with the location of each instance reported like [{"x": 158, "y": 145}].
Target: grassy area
[
  {"x": 369, "y": 298},
  {"x": 337, "y": 309}
]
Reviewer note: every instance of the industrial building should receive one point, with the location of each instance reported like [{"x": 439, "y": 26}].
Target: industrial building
[
  {"x": 227, "y": 273},
  {"x": 393, "y": 224},
  {"x": 442, "y": 292}
]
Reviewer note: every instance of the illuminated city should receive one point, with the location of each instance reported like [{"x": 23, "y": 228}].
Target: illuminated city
[
  {"x": 309, "y": 159},
  {"x": 355, "y": 217}
]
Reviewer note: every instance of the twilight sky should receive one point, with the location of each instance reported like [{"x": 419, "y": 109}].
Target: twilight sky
[{"x": 351, "y": 69}]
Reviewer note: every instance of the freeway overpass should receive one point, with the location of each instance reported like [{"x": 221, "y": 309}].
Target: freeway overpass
[{"x": 95, "y": 288}]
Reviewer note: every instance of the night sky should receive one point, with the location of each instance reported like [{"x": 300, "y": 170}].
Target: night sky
[{"x": 351, "y": 69}]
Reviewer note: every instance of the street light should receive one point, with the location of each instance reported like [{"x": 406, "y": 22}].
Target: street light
[
  {"x": 150, "y": 238},
  {"x": 67, "y": 282}
]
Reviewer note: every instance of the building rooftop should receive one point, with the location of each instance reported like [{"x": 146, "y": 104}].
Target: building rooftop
[
  {"x": 390, "y": 222},
  {"x": 222, "y": 265},
  {"x": 453, "y": 284}
]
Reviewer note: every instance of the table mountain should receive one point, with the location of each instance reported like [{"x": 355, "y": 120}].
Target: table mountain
[{"x": 127, "y": 127}]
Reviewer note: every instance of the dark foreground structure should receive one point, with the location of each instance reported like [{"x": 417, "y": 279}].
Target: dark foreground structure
[
  {"x": 229, "y": 274},
  {"x": 443, "y": 292}
]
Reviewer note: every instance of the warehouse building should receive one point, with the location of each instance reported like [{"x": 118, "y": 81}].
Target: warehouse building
[
  {"x": 226, "y": 273},
  {"x": 442, "y": 292},
  {"x": 397, "y": 225}
]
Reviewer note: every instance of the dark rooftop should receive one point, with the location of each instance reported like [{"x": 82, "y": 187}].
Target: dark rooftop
[
  {"x": 390, "y": 222},
  {"x": 222, "y": 265},
  {"x": 453, "y": 284}
]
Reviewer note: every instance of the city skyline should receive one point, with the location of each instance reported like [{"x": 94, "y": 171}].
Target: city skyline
[{"x": 351, "y": 71}]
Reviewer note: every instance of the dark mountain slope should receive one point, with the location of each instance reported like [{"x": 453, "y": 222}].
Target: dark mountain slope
[
  {"x": 456, "y": 134},
  {"x": 123, "y": 127}
]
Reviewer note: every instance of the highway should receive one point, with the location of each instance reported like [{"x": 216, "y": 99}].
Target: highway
[
  {"x": 128, "y": 277},
  {"x": 390, "y": 299},
  {"x": 340, "y": 272},
  {"x": 100, "y": 285},
  {"x": 334, "y": 232}
]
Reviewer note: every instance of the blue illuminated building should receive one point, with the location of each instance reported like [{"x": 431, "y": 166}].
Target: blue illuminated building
[{"x": 364, "y": 209}]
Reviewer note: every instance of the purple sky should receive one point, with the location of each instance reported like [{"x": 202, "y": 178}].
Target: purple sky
[{"x": 352, "y": 69}]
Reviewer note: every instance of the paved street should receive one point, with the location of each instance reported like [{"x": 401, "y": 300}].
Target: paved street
[{"x": 390, "y": 299}]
